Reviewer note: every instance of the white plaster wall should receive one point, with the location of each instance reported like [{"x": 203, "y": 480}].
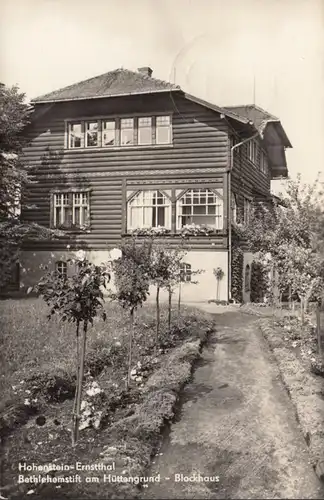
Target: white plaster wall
[
  {"x": 33, "y": 263},
  {"x": 205, "y": 289}
]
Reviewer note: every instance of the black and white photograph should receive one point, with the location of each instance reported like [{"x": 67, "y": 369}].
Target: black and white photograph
[{"x": 161, "y": 249}]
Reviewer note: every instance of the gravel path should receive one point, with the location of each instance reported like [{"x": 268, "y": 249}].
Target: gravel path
[{"x": 236, "y": 422}]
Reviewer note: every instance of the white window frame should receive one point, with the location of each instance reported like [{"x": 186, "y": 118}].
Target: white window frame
[
  {"x": 252, "y": 151},
  {"x": 185, "y": 272},
  {"x": 67, "y": 202},
  {"x": 70, "y": 127},
  {"x": 104, "y": 129},
  {"x": 264, "y": 164},
  {"x": 234, "y": 207},
  {"x": 86, "y": 132},
  {"x": 142, "y": 196},
  {"x": 154, "y": 127},
  {"x": 219, "y": 215},
  {"x": 61, "y": 268},
  {"x": 127, "y": 128},
  {"x": 163, "y": 126},
  {"x": 141, "y": 128}
]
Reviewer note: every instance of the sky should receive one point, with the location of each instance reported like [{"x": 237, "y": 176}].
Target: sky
[{"x": 228, "y": 52}]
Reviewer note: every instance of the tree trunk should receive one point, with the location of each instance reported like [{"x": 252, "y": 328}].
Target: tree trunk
[
  {"x": 79, "y": 383},
  {"x": 289, "y": 298},
  {"x": 302, "y": 310},
  {"x": 77, "y": 378},
  {"x": 179, "y": 302},
  {"x": 170, "y": 309},
  {"x": 130, "y": 349},
  {"x": 157, "y": 316}
]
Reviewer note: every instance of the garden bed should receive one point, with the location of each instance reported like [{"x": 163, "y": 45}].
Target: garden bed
[
  {"x": 121, "y": 429},
  {"x": 295, "y": 349}
]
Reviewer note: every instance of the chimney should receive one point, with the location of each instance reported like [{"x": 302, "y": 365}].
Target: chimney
[{"x": 146, "y": 70}]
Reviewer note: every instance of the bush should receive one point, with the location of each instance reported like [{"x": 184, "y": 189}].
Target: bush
[{"x": 50, "y": 386}]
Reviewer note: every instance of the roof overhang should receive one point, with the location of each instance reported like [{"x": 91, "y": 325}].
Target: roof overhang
[{"x": 86, "y": 98}]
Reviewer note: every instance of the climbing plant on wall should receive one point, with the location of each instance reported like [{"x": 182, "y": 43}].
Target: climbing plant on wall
[{"x": 237, "y": 267}]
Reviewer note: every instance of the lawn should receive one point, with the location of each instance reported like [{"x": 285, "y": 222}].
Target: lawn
[{"x": 120, "y": 427}]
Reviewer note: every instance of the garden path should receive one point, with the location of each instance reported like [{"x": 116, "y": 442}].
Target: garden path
[{"x": 236, "y": 422}]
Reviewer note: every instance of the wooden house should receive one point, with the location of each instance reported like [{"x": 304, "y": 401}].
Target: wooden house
[{"x": 124, "y": 150}]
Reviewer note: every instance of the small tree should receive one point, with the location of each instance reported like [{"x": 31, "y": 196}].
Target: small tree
[
  {"x": 77, "y": 299},
  {"x": 219, "y": 275},
  {"x": 132, "y": 281}
]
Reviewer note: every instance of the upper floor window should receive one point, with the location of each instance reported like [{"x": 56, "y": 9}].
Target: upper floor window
[
  {"x": 75, "y": 135},
  {"x": 126, "y": 131},
  {"x": 252, "y": 151},
  {"x": 247, "y": 210},
  {"x": 71, "y": 209},
  {"x": 149, "y": 209},
  {"x": 145, "y": 130},
  {"x": 108, "y": 133},
  {"x": 234, "y": 207},
  {"x": 264, "y": 163},
  {"x": 91, "y": 135},
  {"x": 120, "y": 132},
  {"x": 201, "y": 207},
  {"x": 163, "y": 130}
]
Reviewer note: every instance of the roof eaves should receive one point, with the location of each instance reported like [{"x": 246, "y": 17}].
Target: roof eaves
[
  {"x": 220, "y": 110},
  {"x": 121, "y": 94}
]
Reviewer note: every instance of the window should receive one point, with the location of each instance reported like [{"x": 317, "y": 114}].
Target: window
[
  {"x": 234, "y": 207},
  {"x": 61, "y": 268},
  {"x": 252, "y": 151},
  {"x": 247, "y": 210},
  {"x": 200, "y": 206},
  {"x": 264, "y": 163},
  {"x": 163, "y": 130},
  {"x": 71, "y": 209},
  {"x": 75, "y": 135},
  {"x": 247, "y": 279},
  {"x": 108, "y": 133},
  {"x": 145, "y": 130},
  {"x": 126, "y": 131},
  {"x": 185, "y": 273},
  {"x": 149, "y": 209},
  {"x": 120, "y": 132},
  {"x": 91, "y": 134}
]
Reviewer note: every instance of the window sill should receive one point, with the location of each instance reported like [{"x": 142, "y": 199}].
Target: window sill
[
  {"x": 220, "y": 232},
  {"x": 120, "y": 148},
  {"x": 72, "y": 231}
]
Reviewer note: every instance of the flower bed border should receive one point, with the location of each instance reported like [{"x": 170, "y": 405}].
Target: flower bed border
[{"x": 309, "y": 392}]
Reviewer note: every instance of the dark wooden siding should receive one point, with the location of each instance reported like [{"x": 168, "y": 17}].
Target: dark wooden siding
[
  {"x": 247, "y": 180},
  {"x": 199, "y": 151}
]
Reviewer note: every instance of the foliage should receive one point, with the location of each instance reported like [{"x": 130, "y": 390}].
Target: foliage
[
  {"x": 237, "y": 266},
  {"x": 77, "y": 299},
  {"x": 196, "y": 230},
  {"x": 15, "y": 179},
  {"x": 132, "y": 274},
  {"x": 218, "y": 273},
  {"x": 288, "y": 239}
]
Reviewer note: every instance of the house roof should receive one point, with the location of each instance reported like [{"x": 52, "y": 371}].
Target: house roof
[
  {"x": 118, "y": 82},
  {"x": 261, "y": 119}
]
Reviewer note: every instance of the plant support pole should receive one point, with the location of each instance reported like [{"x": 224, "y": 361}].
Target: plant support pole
[{"x": 79, "y": 383}]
